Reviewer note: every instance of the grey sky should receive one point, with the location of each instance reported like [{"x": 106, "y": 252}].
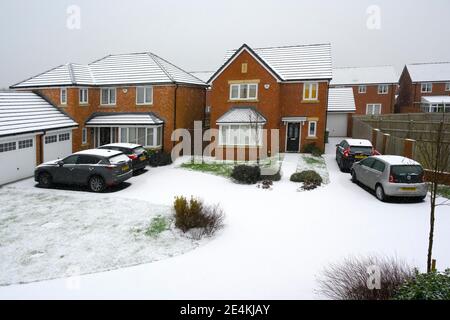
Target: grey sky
[{"x": 195, "y": 34}]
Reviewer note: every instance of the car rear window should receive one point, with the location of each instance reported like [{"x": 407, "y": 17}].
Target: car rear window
[
  {"x": 355, "y": 149},
  {"x": 119, "y": 158},
  {"x": 139, "y": 150},
  {"x": 406, "y": 170}
]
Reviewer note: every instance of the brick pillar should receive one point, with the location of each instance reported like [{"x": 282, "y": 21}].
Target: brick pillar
[
  {"x": 374, "y": 137},
  {"x": 385, "y": 142},
  {"x": 39, "y": 151},
  {"x": 408, "y": 148}
]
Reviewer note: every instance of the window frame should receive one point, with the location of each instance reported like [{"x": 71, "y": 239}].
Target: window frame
[
  {"x": 109, "y": 96},
  {"x": 426, "y": 85},
  {"x": 8, "y": 146},
  {"x": 239, "y": 85},
  {"x": 157, "y": 135},
  {"x": 84, "y": 136},
  {"x": 26, "y": 143},
  {"x": 61, "y": 95},
  {"x": 447, "y": 86},
  {"x": 145, "y": 95},
  {"x": 362, "y": 91},
  {"x": 229, "y": 130},
  {"x": 64, "y": 135},
  {"x": 310, "y": 85},
  {"x": 80, "y": 95},
  {"x": 47, "y": 139},
  {"x": 380, "y": 89},
  {"x": 372, "y": 105},
  {"x": 309, "y": 129}
]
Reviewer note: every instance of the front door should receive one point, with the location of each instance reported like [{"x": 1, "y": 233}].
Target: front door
[
  {"x": 105, "y": 136},
  {"x": 293, "y": 137}
]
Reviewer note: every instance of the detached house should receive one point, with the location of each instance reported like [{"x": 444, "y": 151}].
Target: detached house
[
  {"x": 374, "y": 90},
  {"x": 138, "y": 98},
  {"x": 424, "y": 87},
  {"x": 276, "y": 88}
]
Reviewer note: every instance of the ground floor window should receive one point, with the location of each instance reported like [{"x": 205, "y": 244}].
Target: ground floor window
[
  {"x": 145, "y": 136},
  {"x": 312, "y": 128},
  {"x": 438, "y": 107},
  {"x": 373, "y": 108},
  {"x": 84, "y": 136},
  {"x": 241, "y": 135}
]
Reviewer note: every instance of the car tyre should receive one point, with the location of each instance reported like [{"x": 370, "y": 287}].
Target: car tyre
[
  {"x": 341, "y": 167},
  {"x": 379, "y": 193},
  {"x": 354, "y": 178},
  {"x": 45, "y": 180},
  {"x": 97, "y": 184}
]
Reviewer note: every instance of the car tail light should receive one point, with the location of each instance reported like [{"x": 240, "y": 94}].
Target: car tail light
[
  {"x": 392, "y": 179},
  {"x": 132, "y": 156},
  {"x": 346, "y": 152}
]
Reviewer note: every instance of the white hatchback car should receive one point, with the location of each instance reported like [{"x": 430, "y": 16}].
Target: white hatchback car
[{"x": 391, "y": 176}]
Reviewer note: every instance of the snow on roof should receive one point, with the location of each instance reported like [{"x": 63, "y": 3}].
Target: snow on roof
[
  {"x": 123, "y": 145},
  {"x": 423, "y": 72},
  {"x": 133, "y": 68},
  {"x": 364, "y": 75},
  {"x": 436, "y": 99},
  {"x": 289, "y": 63},
  {"x": 23, "y": 112},
  {"x": 100, "y": 152},
  {"x": 202, "y": 75},
  {"x": 116, "y": 118},
  {"x": 359, "y": 142},
  {"x": 341, "y": 100},
  {"x": 242, "y": 115},
  {"x": 397, "y": 160}
]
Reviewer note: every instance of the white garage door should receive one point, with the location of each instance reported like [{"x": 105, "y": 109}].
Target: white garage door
[
  {"x": 337, "y": 124},
  {"x": 57, "y": 145},
  {"x": 17, "y": 158}
]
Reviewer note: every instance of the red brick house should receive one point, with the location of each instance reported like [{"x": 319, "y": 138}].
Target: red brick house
[
  {"x": 139, "y": 98},
  {"x": 282, "y": 88},
  {"x": 424, "y": 87},
  {"x": 374, "y": 90}
]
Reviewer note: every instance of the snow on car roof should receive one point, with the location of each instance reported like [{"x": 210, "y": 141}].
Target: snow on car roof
[
  {"x": 100, "y": 152},
  {"x": 397, "y": 160},
  {"x": 123, "y": 145},
  {"x": 359, "y": 142}
]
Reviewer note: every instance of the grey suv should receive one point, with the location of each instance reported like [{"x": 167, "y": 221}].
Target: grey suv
[
  {"x": 95, "y": 168},
  {"x": 391, "y": 176}
]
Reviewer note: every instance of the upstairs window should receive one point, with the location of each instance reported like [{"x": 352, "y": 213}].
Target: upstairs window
[
  {"x": 144, "y": 95},
  {"x": 373, "y": 108},
  {"x": 426, "y": 87},
  {"x": 383, "y": 89},
  {"x": 447, "y": 86},
  {"x": 63, "y": 96},
  {"x": 244, "y": 91},
  {"x": 83, "y": 96},
  {"x": 362, "y": 89},
  {"x": 108, "y": 96},
  {"x": 310, "y": 91}
]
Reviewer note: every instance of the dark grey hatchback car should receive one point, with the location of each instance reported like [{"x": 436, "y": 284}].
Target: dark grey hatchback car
[{"x": 94, "y": 168}]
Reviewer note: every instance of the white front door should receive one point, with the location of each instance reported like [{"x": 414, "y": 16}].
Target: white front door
[
  {"x": 17, "y": 158},
  {"x": 337, "y": 124},
  {"x": 57, "y": 145}
]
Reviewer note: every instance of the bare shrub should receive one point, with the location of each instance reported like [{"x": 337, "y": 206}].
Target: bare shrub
[{"x": 349, "y": 279}]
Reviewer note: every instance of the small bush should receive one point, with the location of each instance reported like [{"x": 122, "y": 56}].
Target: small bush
[
  {"x": 349, "y": 280},
  {"x": 158, "y": 225},
  {"x": 265, "y": 184},
  {"x": 426, "y": 286},
  {"x": 159, "y": 158},
  {"x": 307, "y": 176},
  {"x": 312, "y": 149},
  {"x": 193, "y": 214},
  {"x": 273, "y": 177},
  {"x": 246, "y": 174}
]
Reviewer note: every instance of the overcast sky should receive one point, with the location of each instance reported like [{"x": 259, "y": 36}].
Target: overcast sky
[{"x": 195, "y": 34}]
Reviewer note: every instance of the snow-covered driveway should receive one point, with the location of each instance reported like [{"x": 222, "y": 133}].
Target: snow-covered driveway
[{"x": 274, "y": 244}]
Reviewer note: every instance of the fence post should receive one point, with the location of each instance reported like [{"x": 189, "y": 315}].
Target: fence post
[
  {"x": 408, "y": 148},
  {"x": 374, "y": 137},
  {"x": 385, "y": 142}
]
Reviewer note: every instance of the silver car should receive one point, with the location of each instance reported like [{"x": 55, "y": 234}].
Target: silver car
[{"x": 391, "y": 176}]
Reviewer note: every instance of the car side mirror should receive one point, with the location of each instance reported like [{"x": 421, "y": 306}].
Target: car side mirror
[
  {"x": 60, "y": 163},
  {"x": 338, "y": 145}
]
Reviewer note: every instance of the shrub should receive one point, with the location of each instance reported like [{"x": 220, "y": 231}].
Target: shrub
[
  {"x": 246, "y": 174},
  {"x": 193, "y": 214},
  {"x": 266, "y": 184},
  {"x": 307, "y": 176},
  {"x": 426, "y": 286},
  {"x": 158, "y": 225},
  {"x": 350, "y": 280},
  {"x": 312, "y": 149},
  {"x": 159, "y": 158},
  {"x": 273, "y": 177}
]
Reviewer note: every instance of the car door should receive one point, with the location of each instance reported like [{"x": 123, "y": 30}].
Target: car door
[
  {"x": 84, "y": 168},
  {"x": 339, "y": 150},
  {"x": 64, "y": 173},
  {"x": 376, "y": 171},
  {"x": 364, "y": 172}
]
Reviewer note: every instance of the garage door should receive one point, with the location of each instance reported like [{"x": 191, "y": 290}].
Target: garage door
[
  {"x": 57, "y": 145},
  {"x": 17, "y": 158},
  {"x": 337, "y": 124}
]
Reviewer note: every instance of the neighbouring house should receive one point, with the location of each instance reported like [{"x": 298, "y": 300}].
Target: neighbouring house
[
  {"x": 341, "y": 105},
  {"x": 374, "y": 90},
  {"x": 424, "y": 87},
  {"x": 275, "y": 88},
  {"x": 32, "y": 131},
  {"x": 138, "y": 98}
]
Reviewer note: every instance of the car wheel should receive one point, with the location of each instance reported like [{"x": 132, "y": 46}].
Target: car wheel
[
  {"x": 97, "y": 184},
  {"x": 379, "y": 192},
  {"x": 354, "y": 178},
  {"x": 45, "y": 180}
]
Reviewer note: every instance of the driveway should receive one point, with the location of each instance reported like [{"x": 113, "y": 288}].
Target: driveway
[{"x": 274, "y": 245}]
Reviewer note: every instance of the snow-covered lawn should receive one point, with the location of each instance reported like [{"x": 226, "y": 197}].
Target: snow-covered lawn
[
  {"x": 46, "y": 235},
  {"x": 310, "y": 162},
  {"x": 274, "y": 244}
]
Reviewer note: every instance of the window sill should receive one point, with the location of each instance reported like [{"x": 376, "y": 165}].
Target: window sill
[
  {"x": 144, "y": 105},
  {"x": 310, "y": 101},
  {"x": 311, "y": 138},
  {"x": 108, "y": 105},
  {"x": 243, "y": 100},
  {"x": 84, "y": 104}
]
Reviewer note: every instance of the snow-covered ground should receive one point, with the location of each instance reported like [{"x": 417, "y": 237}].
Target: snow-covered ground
[{"x": 274, "y": 244}]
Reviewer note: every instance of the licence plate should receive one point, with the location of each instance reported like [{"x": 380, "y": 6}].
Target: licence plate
[
  {"x": 360, "y": 157},
  {"x": 408, "y": 189},
  {"x": 142, "y": 158},
  {"x": 125, "y": 168}
]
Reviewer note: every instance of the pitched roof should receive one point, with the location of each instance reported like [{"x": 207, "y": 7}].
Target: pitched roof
[
  {"x": 364, "y": 75},
  {"x": 341, "y": 100},
  {"x": 241, "y": 115},
  {"x": 202, "y": 75},
  {"x": 24, "y": 112},
  {"x": 133, "y": 68},
  {"x": 125, "y": 118},
  {"x": 423, "y": 72},
  {"x": 289, "y": 63}
]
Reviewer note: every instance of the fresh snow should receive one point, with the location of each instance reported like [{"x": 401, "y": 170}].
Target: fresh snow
[{"x": 273, "y": 246}]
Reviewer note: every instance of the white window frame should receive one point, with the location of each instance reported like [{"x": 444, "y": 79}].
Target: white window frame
[
  {"x": 80, "y": 96},
  {"x": 315, "y": 129},
  {"x": 310, "y": 86},
  {"x": 109, "y": 96},
  {"x": 84, "y": 136},
  {"x": 145, "y": 95},
  {"x": 25, "y": 144},
  {"x": 447, "y": 86},
  {"x": 239, "y": 85},
  {"x": 362, "y": 89},
  {"x": 47, "y": 139},
  {"x": 157, "y": 135},
  {"x": 372, "y": 107},
  {"x": 381, "y": 88},
  {"x": 64, "y": 135},
  {"x": 8, "y": 146},
  {"x": 426, "y": 87},
  {"x": 247, "y": 126},
  {"x": 61, "y": 95}
]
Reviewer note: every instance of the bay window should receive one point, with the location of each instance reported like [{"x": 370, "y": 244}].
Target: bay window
[
  {"x": 240, "y": 135},
  {"x": 145, "y": 136}
]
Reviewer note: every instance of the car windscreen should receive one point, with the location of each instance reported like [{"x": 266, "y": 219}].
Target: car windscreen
[
  {"x": 118, "y": 159},
  {"x": 139, "y": 150},
  {"x": 360, "y": 149},
  {"x": 402, "y": 170}
]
